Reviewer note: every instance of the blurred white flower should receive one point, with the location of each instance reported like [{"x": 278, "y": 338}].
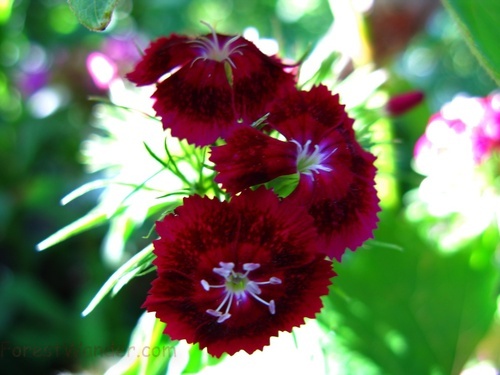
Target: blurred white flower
[
  {"x": 134, "y": 181},
  {"x": 457, "y": 154}
]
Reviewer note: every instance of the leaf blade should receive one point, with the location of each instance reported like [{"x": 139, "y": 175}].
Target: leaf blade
[
  {"x": 479, "y": 22},
  {"x": 123, "y": 273},
  {"x": 95, "y": 14},
  {"x": 91, "y": 220}
]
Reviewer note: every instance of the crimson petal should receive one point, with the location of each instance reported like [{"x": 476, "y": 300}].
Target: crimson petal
[
  {"x": 160, "y": 58},
  {"x": 349, "y": 220},
  {"x": 196, "y": 103},
  {"x": 339, "y": 192},
  {"x": 210, "y": 85},
  {"x": 272, "y": 240},
  {"x": 259, "y": 80},
  {"x": 318, "y": 108},
  {"x": 250, "y": 158}
]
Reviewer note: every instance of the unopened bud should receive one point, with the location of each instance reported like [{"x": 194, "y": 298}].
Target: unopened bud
[{"x": 402, "y": 103}]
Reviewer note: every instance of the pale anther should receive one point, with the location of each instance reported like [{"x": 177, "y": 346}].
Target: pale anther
[{"x": 237, "y": 286}]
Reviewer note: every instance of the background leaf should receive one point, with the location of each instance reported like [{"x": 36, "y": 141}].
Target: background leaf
[
  {"x": 480, "y": 24},
  {"x": 416, "y": 311},
  {"x": 94, "y": 14}
]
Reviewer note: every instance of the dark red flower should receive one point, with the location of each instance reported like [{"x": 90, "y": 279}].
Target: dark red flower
[
  {"x": 250, "y": 158},
  {"x": 336, "y": 176},
  {"x": 216, "y": 83},
  {"x": 233, "y": 274}
]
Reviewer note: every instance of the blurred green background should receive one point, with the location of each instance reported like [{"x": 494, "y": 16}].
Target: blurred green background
[{"x": 398, "y": 308}]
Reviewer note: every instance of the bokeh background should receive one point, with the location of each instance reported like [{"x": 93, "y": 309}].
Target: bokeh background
[{"x": 406, "y": 303}]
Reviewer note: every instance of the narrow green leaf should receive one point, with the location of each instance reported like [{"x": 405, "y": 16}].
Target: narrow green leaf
[
  {"x": 154, "y": 156},
  {"x": 93, "y": 14},
  {"x": 196, "y": 362},
  {"x": 382, "y": 244},
  {"x": 92, "y": 219},
  {"x": 149, "y": 351},
  {"x": 134, "y": 265},
  {"x": 199, "y": 359},
  {"x": 175, "y": 169},
  {"x": 161, "y": 351},
  {"x": 479, "y": 22},
  {"x": 325, "y": 69},
  {"x": 261, "y": 122},
  {"x": 85, "y": 188}
]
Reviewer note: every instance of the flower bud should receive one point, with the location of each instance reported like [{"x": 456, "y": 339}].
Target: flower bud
[{"x": 402, "y": 103}]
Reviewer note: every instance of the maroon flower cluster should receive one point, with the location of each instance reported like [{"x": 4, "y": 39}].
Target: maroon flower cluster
[{"x": 233, "y": 273}]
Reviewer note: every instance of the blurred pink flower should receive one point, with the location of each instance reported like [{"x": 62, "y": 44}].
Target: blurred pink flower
[
  {"x": 102, "y": 69},
  {"x": 467, "y": 127},
  {"x": 31, "y": 81}
]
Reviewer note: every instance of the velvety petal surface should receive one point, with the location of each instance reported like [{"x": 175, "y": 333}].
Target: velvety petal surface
[
  {"x": 250, "y": 158},
  {"x": 317, "y": 109},
  {"x": 339, "y": 191},
  {"x": 253, "y": 228},
  {"x": 345, "y": 220},
  {"x": 258, "y": 81},
  {"x": 210, "y": 85},
  {"x": 161, "y": 57},
  {"x": 196, "y": 103}
]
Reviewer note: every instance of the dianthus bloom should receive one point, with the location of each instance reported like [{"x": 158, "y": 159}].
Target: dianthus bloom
[
  {"x": 215, "y": 83},
  {"x": 335, "y": 175},
  {"x": 233, "y": 274}
]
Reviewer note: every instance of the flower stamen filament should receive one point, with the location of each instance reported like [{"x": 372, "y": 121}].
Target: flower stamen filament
[
  {"x": 212, "y": 49},
  {"x": 238, "y": 285},
  {"x": 309, "y": 162}
]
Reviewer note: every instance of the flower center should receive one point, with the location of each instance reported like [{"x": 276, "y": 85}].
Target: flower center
[
  {"x": 310, "y": 160},
  {"x": 212, "y": 49},
  {"x": 237, "y": 286}
]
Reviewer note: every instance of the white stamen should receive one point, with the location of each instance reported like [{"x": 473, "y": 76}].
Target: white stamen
[
  {"x": 309, "y": 162},
  {"x": 214, "y": 313},
  {"x": 272, "y": 307},
  {"x": 227, "y": 265},
  {"x": 205, "y": 285},
  {"x": 223, "y": 317},
  {"x": 225, "y": 270},
  {"x": 212, "y": 49},
  {"x": 226, "y": 298},
  {"x": 274, "y": 281},
  {"x": 253, "y": 287},
  {"x": 251, "y": 266},
  {"x": 237, "y": 285}
]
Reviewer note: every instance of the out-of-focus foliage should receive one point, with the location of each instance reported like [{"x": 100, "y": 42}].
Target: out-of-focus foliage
[
  {"x": 95, "y": 14},
  {"x": 480, "y": 25},
  {"x": 413, "y": 310}
]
